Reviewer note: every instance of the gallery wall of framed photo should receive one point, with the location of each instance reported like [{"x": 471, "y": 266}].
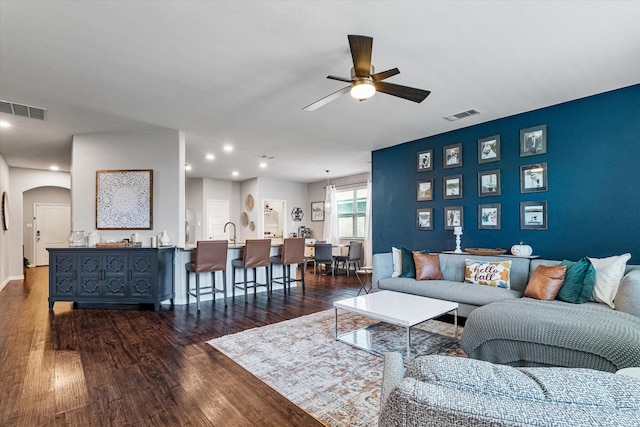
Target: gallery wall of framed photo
[{"x": 550, "y": 177}]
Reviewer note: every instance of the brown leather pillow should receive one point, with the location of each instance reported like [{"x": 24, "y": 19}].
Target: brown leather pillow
[
  {"x": 427, "y": 266},
  {"x": 545, "y": 282}
]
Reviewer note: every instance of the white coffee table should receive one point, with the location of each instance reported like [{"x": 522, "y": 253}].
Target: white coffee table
[{"x": 397, "y": 308}]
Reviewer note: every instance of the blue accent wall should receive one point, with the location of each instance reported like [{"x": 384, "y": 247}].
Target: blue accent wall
[{"x": 593, "y": 159}]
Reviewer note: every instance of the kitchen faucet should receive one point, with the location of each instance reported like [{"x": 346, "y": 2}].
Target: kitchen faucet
[{"x": 234, "y": 231}]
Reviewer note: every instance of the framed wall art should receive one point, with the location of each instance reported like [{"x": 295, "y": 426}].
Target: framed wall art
[
  {"x": 453, "y": 217},
  {"x": 452, "y": 156},
  {"x": 425, "y": 160},
  {"x": 533, "y": 141},
  {"x": 317, "y": 211},
  {"x": 5, "y": 211},
  {"x": 489, "y": 149},
  {"x": 452, "y": 187},
  {"x": 533, "y": 215},
  {"x": 489, "y": 183},
  {"x": 124, "y": 199},
  {"x": 489, "y": 217},
  {"x": 425, "y": 190},
  {"x": 424, "y": 219},
  {"x": 533, "y": 178}
]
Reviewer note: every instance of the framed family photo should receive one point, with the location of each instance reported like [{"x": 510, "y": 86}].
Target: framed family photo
[
  {"x": 317, "y": 211},
  {"x": 425, "y": 160},
  {"x": 489, "y": 149},
  {"x": 425, "y": 190},
  {"x": 489, "y": 217},
  {"x": 533, "y": 215},
  {"x": 452, "y": 187},
  {"x": 424, "y": 218},
  {"x": 533, "y": 178},
  {"x": 452, "y": 156},
  {"x": 489, "y": 183},
  {"x": 533, "y": 141},
  {"x": 453, "y": 217}
]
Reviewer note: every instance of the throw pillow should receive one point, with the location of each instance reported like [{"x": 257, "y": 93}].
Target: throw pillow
[
  {"x": 396, "y": 256},
  {"x": 427, "y": 266},
  {"x": 408, "y": 264},
  {"x": 578, "y": 282},
  {"x": 545, "y": 282},
  {"x": 496, "y": 273},
  {"x": 609, "y": 272}
]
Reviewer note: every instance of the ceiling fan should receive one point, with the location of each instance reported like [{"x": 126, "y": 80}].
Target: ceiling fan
[{"x": 364, "y": 82}]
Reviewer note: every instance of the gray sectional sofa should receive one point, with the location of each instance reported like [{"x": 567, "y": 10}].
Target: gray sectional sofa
[
  {"x": 505, "y": 327},
  {"x": 447, "y": 391}
]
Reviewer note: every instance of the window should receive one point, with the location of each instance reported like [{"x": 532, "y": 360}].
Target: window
[{"x": 352, "y": 205}]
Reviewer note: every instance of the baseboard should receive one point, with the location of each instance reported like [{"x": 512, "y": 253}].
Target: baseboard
[{"x": 9, "y": 279}]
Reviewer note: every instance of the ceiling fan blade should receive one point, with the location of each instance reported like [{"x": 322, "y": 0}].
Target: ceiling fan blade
[
  {"x": 361, "y": 47},
  {"x": 327, "y": 99},
  {"x": 405, "y": 92},
  {"x": 384, "y": 74},
  {"x": 340, "y": 79}
]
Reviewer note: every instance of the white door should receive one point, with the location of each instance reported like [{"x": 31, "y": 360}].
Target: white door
[
  {"x": 217, "y": 217},
  {"x": 52, "y": 227}
]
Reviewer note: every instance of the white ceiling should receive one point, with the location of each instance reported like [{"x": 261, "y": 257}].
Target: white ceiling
[{"x": 240, "y": 72}]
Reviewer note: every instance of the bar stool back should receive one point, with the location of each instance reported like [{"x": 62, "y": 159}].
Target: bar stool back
[
  {"x": 210, "y": 256},
  {"x": 292, "y": 253},
  {"x": 256, "y": 255}
]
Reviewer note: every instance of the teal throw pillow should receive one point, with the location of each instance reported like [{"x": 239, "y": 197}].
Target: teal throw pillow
[
  {"x": 578, "y": 281},
  {"x": 408, "y": 264}
]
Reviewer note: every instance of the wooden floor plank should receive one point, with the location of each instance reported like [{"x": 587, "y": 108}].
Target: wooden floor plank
[{"x": 133, "y": 366}]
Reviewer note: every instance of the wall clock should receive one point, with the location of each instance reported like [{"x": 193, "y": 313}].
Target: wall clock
[{"x": 5, "y": 211}]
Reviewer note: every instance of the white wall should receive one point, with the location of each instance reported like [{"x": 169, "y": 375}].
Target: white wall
[
  {"x": 4, "y": 235},
  {"x": 162, "y": 151},
  {"x": 22, "y": 180}
]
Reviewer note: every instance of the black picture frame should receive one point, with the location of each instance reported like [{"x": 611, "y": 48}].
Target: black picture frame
[
  {"x": 452, "y": 156},
  {"x": 533, "y": 178},
  {"x": 489, "y": 183},
  {"x": 424, "y": 189},
  {"x": 5, "y": 211},
  {"x": 425, "y": 160},
  {"x": 453, "y": 217},
  {"x": 424, "y": 219},
  {"x": 317, "y": 211},
  {"x": 489, "y": 149},
  {"x": 533, "y": 141},
  {"x": 534, "y": 215},
  {"x": 489, "y": 216},
  {"x": 452, "y": 187}
]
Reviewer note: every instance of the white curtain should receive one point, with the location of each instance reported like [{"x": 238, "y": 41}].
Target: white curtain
[
  {"x": 368, "y": 235},
  {"x": 331, "y": 233}
]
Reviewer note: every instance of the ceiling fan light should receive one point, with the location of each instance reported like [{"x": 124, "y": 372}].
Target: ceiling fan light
[{"x": 363, "y": 89}]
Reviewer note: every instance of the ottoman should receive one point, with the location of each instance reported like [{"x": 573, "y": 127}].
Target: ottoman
[{"x": 529, "y": 332}]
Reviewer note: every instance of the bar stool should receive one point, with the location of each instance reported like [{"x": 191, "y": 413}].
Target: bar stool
[
  {"x": 292, "y": 253},
  {"x": 256, "y": 254},
  {"x": 210, "y": 256}
]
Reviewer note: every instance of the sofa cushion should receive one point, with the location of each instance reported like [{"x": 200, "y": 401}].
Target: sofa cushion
[
  {"x": 408, "y": 264},
  {"x": 453, "y": 267},
  {"x": 578, "y": 281},
  {"x": 609, "y": 272},
  {"x": 545, "y": 282},
  {"x": 488, "y": 273},
  {"x": 427, "y": 266},
  {"x": 397, "y": 262}
]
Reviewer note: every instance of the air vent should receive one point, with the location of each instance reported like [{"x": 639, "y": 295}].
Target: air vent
[
  {"x": 23, "y": 110},
  {"x": 462, "y": 115}
]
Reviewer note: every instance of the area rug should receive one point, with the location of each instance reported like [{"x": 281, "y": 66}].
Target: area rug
[{"x": 336, "y": 383}]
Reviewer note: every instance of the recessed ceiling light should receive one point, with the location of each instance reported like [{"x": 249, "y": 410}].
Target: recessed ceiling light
[
  {"x": 210, "y": 156},
  {"x": 54, "y": 168},
  {"x": 187, "y": 167},
  {"x": 4, "y": 124},
  {"x": 228, "y": 148},
  {"x": 235, "y": 173},
  {"x": 263, "y": 164}
]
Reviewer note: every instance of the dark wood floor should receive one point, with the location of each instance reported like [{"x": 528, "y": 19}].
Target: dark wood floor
[{"x": 136, "y": 367}]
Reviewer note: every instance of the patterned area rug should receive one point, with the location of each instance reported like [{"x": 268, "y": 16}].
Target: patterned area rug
[{"x": 336, "y": 383}]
